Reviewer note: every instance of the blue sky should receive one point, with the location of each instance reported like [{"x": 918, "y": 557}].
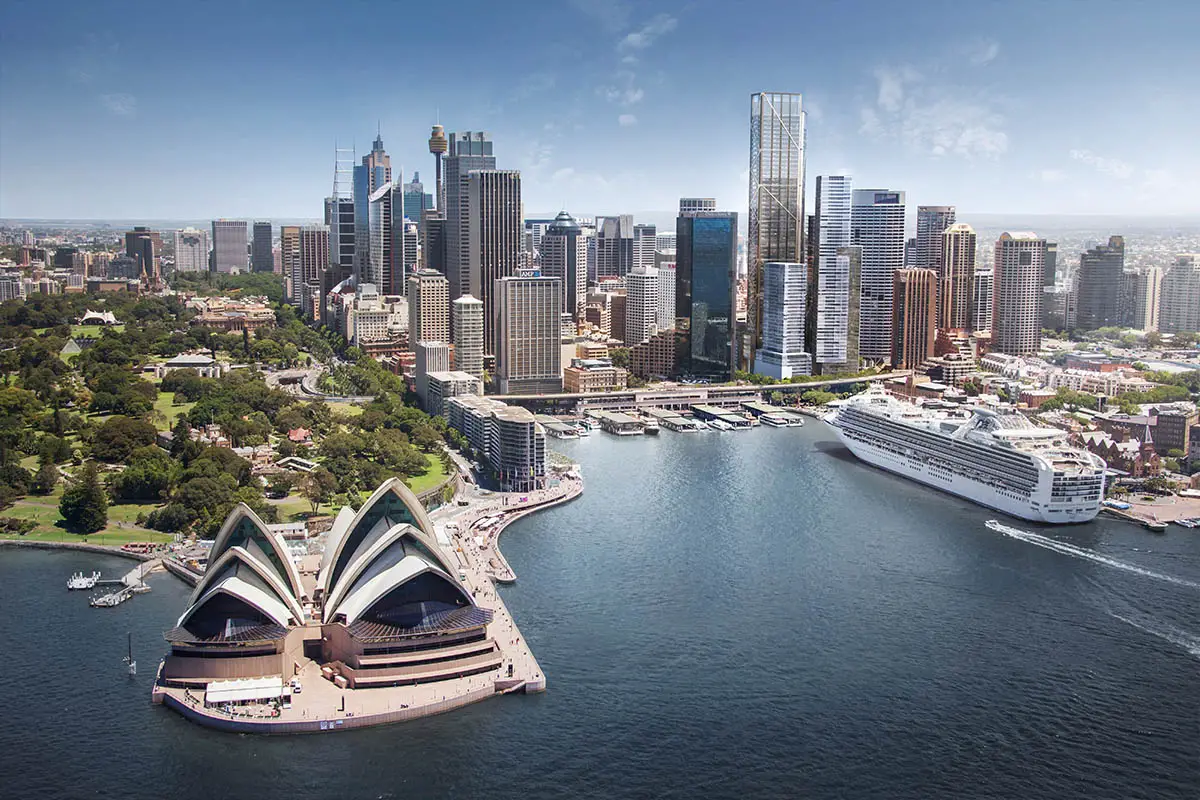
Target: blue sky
[{"x": 179, "y": 111}]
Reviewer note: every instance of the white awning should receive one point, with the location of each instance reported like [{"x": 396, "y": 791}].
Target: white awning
[{"x": 243, "y": 690}]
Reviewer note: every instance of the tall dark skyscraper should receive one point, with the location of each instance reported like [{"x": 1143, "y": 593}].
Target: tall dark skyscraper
[
  {"x": 144, "y": 246},
  {"x": 471, "y": 150},
  {"x": 705, "y": 286},
  {"x": 1100, "y": 287},
  {"x": 262, "y": 258},
  {"x": 932, "y": 221},
  {"x": 564, "y": 256},
  {"x": 495, "y": 232},
  {"x": 1049, "y": 278},
  {"x": 776, "y": 224},
  {"x": 914, "y": 313},
  {"x": 614, "y": 246}
]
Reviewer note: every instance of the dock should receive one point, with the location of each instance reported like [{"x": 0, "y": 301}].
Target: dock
[{"x": 127, "y": 586}]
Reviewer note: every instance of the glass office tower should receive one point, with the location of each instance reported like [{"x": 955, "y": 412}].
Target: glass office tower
[{"x": 705, "y": 269}]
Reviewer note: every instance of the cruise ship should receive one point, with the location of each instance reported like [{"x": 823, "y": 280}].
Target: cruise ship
[{"x": 1002, "y": 461}]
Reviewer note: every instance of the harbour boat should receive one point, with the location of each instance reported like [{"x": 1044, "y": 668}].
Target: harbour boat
[
  {"x": 998, "y": 460},
  {"x": 719, "y": 425},
  {"x": 1154, "y": 525},
  {"x": 81, "y": 581},
  {"x": 773, "y": 420},
  {"x": 795, "y": 422},
  {"x": 1188, "y": 523},
  {"x": 651, "y": 427}
]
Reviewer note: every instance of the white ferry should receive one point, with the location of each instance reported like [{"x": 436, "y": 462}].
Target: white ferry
[
  {"x": 1002, "y": 461},
  {"x": 719, "y": 425}
]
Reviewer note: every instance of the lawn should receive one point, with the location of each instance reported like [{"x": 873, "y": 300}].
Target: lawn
[
  {"x": 169, "y": 409},
  {"x": 44, "y": 511},
  {"x": 433, "y": 477},
  {"x": 93, "y": 331},
  {"x": 349, "y": 409}
]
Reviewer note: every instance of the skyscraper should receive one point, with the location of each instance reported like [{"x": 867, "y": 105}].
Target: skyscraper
[
  {"x": 406, "y": 250},
  {"x": 314, "y": 258},
  {"x": 535, "y": 229},
  {"x": 687, "y": 204},
  {"x": 1050, "y": 275},
  {"x": 614, "y": 246},
  {"x": 877, "y": 225},
  {"x": 666, "y": 295},
  {"x": 468, "y": 151},
  {"x": 955, "y": 272},
  {"x": 1147, "y": 299},
  {"x": 289, "y": 261},
  {"x": 1099, "y": 285},
  {"x": 776, "y": 225},
  {"x": 414, "y": 200},
  {"x": 373, "y": 173},
  {"x": 644, "y": 242},
  {"x": 932, "y": 222},
  {"x": 378, "y": 269},
  {"x": 428, "y": 307},
  {"x": 641, "y": 305},
  {"x": 981, "y": 294},
  {"x": 495, "y": 228},
  {"x": 229, "y": 245},
  {"x": 529, "y": 334},
  {"x": 705, "y": 269},
  {"x": 262, "y": 258},
  {"x": 145, "y": 246},
  {"x": 339, "y": 216},
  {"x": 914, "y": 316},
  {"x": 564, "y": 256},
  {"x": 785, "y": 291},
  {"x": 829, "y": 337},
  {"x": 1180, "y": 304},
  {"x": 1017, "y": 293},
  {"x": 191, "y": 250},
  {"x": 467, "y": 319}
]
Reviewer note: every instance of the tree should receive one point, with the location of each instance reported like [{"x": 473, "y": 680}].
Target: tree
[
  {"x": 84, "y": 506},
  {"x": 280, "y": 484},
  {"x": 45, "y": 479},
  {"x": 120, "y": 436},
  {"x": 319, "y": 487},
  {"x": 818, "y": 397}
]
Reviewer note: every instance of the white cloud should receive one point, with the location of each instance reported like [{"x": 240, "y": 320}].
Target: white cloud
[
  {"x": 984, "y": 52},
  {"x": 934, "y": 119},
  {"x": 644, "y": 37},
  {"x": 625, "y": 97},
  {"x": 119, "y": 103},
  {"x": 626, "y": 120},
  {"x": 1109, "y": 166}
]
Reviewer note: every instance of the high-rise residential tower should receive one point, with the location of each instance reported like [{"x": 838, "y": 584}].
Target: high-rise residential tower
[
  {"x": 314, "y": 258},
  {"x": 563, "y": 255},
  {"x": 981, "y": 299},
  {"x": 529, "y": 335},
  {"x": 467, "y": 320},
  {"x": 1147, "y": 299},
  {"x": 705, "y": 293},
  {"x": 428, "y": 307},
  {"x": 932, "y": 221},
  {"x": 1180, "y": 304},
  {"x": 641, "y": 305},
  {"x": 914, "y": 317},
  {"x": 785, "y": 289},
  {"x": 644, "y": 242},
  {"x": 468, "y": 151},
  {"x": 1099, "y": 285},
  {"x": 666, "y": 295},
  {"x": 1018, "y": 270},
  {"x": 776, "y": 224},
  {"x": 229, "y": 245},
  {"x": 957, "y": 268},
  {"x": 262, "y": 257},
  {"x": 877, "y": 225},
  {"x": 289, "y": 262},
  {"x": 495, "y": 228},
  {"x": 191, "y": 250},
  {"x": 828, "y": 330}
]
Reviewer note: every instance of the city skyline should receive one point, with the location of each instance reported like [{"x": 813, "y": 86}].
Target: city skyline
[{"x": 970, "y": 121}]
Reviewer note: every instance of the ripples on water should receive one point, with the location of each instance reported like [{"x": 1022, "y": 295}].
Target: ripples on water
[{"x": 721, "y": 615}]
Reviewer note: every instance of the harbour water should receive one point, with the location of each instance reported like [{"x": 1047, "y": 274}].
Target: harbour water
[{"x": 751, "y": 614}]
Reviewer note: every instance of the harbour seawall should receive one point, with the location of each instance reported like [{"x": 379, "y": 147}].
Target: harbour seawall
[{"x": 90, "y": 548}]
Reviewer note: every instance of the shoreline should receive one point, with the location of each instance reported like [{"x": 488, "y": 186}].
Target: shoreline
[{"x": 104, "y": 549}]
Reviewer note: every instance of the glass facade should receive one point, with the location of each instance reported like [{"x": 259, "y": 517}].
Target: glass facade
[
  {"x": 776, "y": 193},
  {"x": 706, "y": 260}
]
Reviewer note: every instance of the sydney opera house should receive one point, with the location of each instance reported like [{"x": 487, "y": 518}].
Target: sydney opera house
[{"x": 381, "y": 606}]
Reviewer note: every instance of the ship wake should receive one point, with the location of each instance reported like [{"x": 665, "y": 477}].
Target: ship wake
[{"x": 1089, "y": 555}]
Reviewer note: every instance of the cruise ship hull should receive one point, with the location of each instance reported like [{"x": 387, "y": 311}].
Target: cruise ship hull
[{"x": 962, "y": 486}]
